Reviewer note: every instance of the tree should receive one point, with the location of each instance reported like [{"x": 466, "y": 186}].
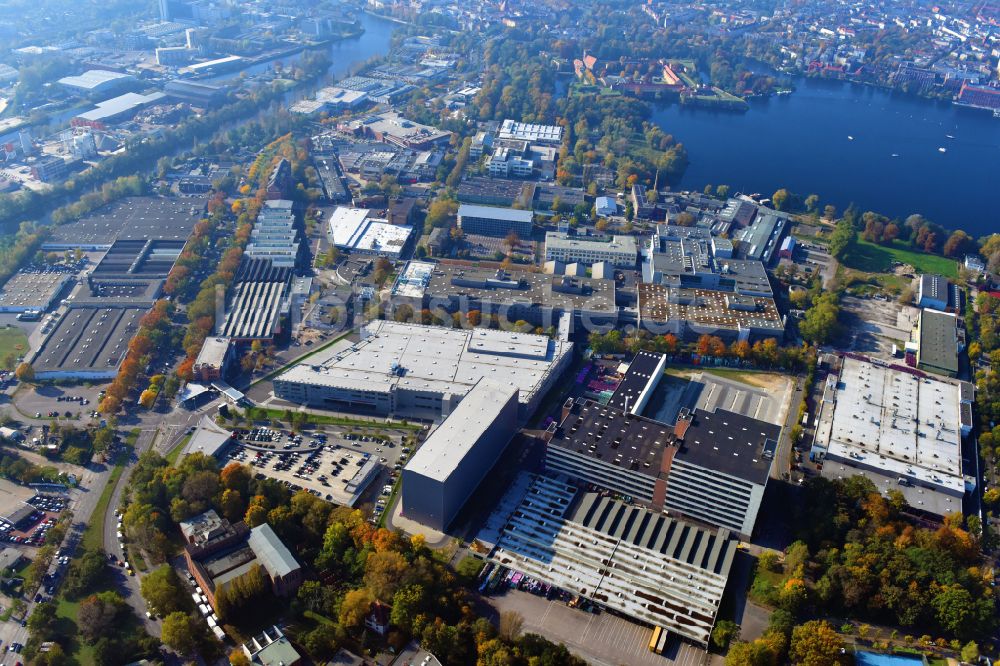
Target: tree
[
  {"x": 239, "y": 658},
  {"x": 781, "y": 199},
  {"x": 724, "y": 633},
  {"x": 25, "y": 373},
  {"x": 970, "y": 653},
  {"x": 812, "y": 201},
  {"x": 511, "y": 623},
  {"x": 843, "y": 239},
  {"x": 959, "y": 244},
  {"x": 355, "y": 607},
  {"x": 162, "y": 591},
  {"x": 406, "y": 605},
  {"x": 98, "y": 614},
  {"x": 180, "y": 632},
  {"x": 85, "y": 572},
  {"x": 815, "y": 643},
  {"x": 384, "y": 572}
]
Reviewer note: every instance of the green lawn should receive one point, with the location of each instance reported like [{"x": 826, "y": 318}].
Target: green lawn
[
  {"x": 93, "y": 535},
  {"x": 13, "y": 341},
  {"x": 172, "y": 457},
  {"x": 321, "y": 419},
  {"x": 872, "y": 258}
]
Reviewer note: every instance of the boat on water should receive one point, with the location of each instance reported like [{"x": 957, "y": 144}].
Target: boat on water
[
  {"x": 850, "y": 138},
  {"x": 942, "y": 150},
  {"x": 895, "y": 155},
  {"x": 949, "y": 136}
]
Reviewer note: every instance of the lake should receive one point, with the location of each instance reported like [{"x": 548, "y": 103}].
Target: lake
[{"x": 892, "y": 165}]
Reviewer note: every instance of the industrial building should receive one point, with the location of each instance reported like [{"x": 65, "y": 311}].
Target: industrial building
[
  {"x": 690, "y": 313},
  {"x": 935, "y": 292},
  {"x": 642, "y": 564},
  {"x": 898, "y": 427},
  {"x": 938, "y": 342},
  {"x": 448, "y": 467},
  {"x": 33, "y": 290},
  {"x": 762, "y": 238},
  {"x": 196, "y": 93},
  {"x": 115, "y": 110},
  {"x": 131, "y": 218},
  {"x": 514, "y": 295},
  {"x": 96, "y": 81},
  {"x": 356, "y": 230},
  {"x": 88, "y": 343},
  {"x": 619, "y": 251},
  {"x": 259, "y": 297},
  {"x": 414, "y": 371},
  {"x": 494, "y": 221}
]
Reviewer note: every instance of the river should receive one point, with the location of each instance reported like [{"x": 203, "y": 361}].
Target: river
[{"x": 892, "y": 165}]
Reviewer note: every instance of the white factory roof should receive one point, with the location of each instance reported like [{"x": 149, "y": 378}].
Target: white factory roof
[
  {"x": 346, "y": 225},
  {"x": 511, "y": 129},
  {"x": 432, "y": 358},
  {"x": 93, "y": 78},
  {"x": 899, "y": 422},
  {"x": 446, "y": 447},
  {"x": 557, "y": 240},
  {"x": 380, "y": 236},
  {"x": 413, "y": 281}
]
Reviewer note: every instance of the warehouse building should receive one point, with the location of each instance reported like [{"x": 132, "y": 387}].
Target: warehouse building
[
  {"x": 448, "y": 467},
  {"x": 131, "y": 218},
  {"x": 938, "y": 343},
  {"x": 88, "y": 343},
  {"x": 115, "y": 110},
  {"x": 414, "y": 371},
  {"x": 934, "y": 291},
  {"x": 645, "y": 565},
  {"x": 96, "y": 81},
  {"x": 33, "y": 290},
  {"x": 530, "y": 132},
  {"x": 898, "y": 427},
  {"x": 617, "y": 250},
  {"x": 494, "y": 221}
]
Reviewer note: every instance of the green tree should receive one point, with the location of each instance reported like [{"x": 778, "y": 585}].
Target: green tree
[
  {"x": 781, "y": 199},
  {"x": 355, "y": 607},
  {"x": 815, "y": 643},
  {"x": 180, "y": 632},
  {"x": 724, "y": 633},
  {"x": 970, "y": 653},
  {"x": 163, "y": 592},
  {"x": 843, "y": 239},
  {"x": 98, "y": 615}
]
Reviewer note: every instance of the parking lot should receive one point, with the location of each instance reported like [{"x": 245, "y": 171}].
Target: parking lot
[
  {"x": 342, "y": 472},
  {"x": 601, "y": 638},
  {"x": 31, "y": 529}
]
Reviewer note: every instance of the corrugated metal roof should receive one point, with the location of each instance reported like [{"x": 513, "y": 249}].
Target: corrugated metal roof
[{"x": 271, "y": 552}]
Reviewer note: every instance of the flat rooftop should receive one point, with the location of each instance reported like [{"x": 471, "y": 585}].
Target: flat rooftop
[
  {"x": 33, "y": 289},
  {"x": 89, "y": 340},
  {"x": 495, "y": 213},
  {"x": 514, "y": 286},
  {"x": 442, "y": 453},
  {"x": 707, "y": 307},
  {"x": 131, "y": 218},
  {"x": 939, "y": 340},
  {"x": 896, "y": 422},
  {"x": 416, "y": 357},
  {"x": 642, "y": 371},
  {"x": 646, "y": 565},
  {"x": 734, "y": 444}
]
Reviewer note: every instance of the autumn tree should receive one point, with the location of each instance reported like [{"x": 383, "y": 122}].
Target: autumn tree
[
  {"x": 815, "y": 643},
  {"x": 180, "y": 632},
  {"x": 355, "y": 607}
]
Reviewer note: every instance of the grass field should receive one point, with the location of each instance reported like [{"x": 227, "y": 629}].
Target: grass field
[
  {"x": 873, "y": 258},
  {"x": 13, "y": 341},
  {"x": 93, "y": 535},
  {"x": 321, "y": 419},
  {"x": 172, "y": 457}
]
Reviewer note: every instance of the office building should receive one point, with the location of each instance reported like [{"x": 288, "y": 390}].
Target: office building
[
  {"x": 214, "y": 359},
  {"x": 53, "y": 169},
  {"x": 618, "y": 251},
  {"x": 493, "y": 221},
  {"x": 606, "y": 206},
  {"x": 448, "y": 467},
  {"x": 642, "y": 564},
  {"x": 414, "y": 371},
  {"x": 275, "y": 236},
  {"x": 898, "y": 427}
]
